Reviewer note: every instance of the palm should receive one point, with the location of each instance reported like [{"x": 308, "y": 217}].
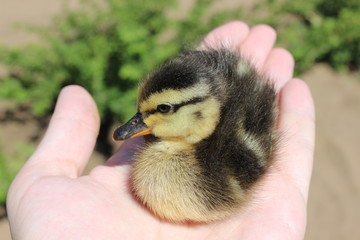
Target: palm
[{"x": 49, "y": 199}]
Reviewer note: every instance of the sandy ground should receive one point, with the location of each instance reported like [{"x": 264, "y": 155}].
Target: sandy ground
[{"x": 334, "y": 209}]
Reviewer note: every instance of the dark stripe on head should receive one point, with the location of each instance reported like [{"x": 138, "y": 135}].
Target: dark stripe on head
[
  {"x": 191, "y": 101},
  {"x": 176, "y": 107}
]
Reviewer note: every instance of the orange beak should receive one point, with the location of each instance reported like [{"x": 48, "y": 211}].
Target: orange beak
[{"x": 135, "y": 127}]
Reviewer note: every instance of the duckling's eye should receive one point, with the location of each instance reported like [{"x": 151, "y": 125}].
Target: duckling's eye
[{"x": 164, "y": 108}]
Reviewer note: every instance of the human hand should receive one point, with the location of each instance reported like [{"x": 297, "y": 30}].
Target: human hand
[{"x": 49, "y": 199}]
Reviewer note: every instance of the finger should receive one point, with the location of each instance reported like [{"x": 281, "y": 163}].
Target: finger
[
  {"x": 258, "y": 44},
  {"x": 229, "y": 36},
  {"x": 279, "y": 67},
  {"x": 297, "y": 126},
  {"x": 70, "y": 137}
]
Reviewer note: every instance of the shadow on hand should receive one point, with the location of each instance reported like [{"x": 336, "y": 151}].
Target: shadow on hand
[{"x": 125, "y": 152}]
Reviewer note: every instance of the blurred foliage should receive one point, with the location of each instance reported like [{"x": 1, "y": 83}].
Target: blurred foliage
[
  {"x": 9, "y": 166},
  {"x": 105, "y": 46},
  {"x": 108, "y": 46},
  {"x": 316, "y": 30}
]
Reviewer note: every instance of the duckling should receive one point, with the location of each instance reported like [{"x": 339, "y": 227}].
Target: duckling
[{"x": 208, "y": 120}]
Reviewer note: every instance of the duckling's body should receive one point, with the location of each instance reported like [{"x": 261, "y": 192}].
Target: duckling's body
[{"x": 212, "y": 122}]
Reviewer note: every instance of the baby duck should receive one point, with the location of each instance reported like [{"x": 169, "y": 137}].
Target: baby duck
[{"x": 209, "y": 119}]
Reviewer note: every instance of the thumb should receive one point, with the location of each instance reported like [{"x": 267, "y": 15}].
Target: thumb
[{"x": 70, "y": 137}]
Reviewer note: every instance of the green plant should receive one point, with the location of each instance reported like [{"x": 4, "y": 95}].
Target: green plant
[
  {"x": 4, "y": 179},
  {"x": 10, "y": 167},
  {"x": 317, "y": 31}
]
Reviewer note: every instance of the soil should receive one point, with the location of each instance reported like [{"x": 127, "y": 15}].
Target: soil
[{"x": 333, "y": 210}]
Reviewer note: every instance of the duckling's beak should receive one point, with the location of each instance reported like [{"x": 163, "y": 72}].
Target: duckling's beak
[{"x": 133, "y": 128}]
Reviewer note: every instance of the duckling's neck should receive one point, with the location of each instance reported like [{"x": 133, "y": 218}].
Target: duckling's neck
[
  {"x": 167, "y": 149},
  {"x": 165, "y": 154}
]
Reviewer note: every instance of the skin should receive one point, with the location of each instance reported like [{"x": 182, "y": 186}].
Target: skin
[{"x": 49, "y": 199}]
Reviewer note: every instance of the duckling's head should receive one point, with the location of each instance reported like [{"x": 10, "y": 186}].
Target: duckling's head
[{"x": 176, "y": 102}]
